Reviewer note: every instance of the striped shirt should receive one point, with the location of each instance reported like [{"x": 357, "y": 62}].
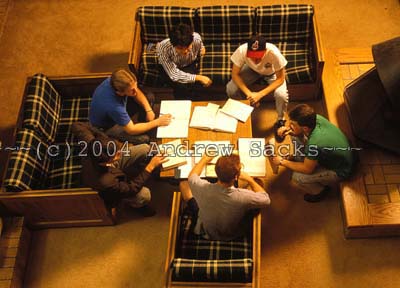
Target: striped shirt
[{"x": 173, "y": 62}]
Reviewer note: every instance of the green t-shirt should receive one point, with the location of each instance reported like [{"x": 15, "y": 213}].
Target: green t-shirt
[{"x": 330, "y": 147}]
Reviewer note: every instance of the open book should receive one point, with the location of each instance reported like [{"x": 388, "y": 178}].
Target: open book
[
  {"x": 176, "y": 154},
  {"x": 251, "y": 152},
  {"x": 182, "y": 172},
  {"x": 220, "y": 148},
  {"x": 179, "y": 126},
  {"x": 210, "y": 117},
  {"x": 237, "y": 109}
]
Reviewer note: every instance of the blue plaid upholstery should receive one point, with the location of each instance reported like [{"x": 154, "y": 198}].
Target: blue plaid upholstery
[
  {"x": 198, "y": 259},
  {"x": 216, "y": 63},
  {"x": 285, "y": 22},
  {"x": 42, "y": 107},
  {"x": 225, "y": 23},
  {"x": 299, "y": 68},
  {"x": 29, "y": 165},
  {"x": 156, "y": 21},
  {"x": 149, "y": 73},
  {"x": 65, "y": 167},
  {"x": 73, "y": 110}
]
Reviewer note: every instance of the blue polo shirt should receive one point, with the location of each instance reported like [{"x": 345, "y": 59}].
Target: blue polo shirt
[{"x": 107, "y": 108}]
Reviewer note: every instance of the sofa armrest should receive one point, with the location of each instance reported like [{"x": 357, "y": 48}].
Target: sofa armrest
[
  {"x": 318, "y": 56},
  {"x": 136, "y": 50},
  {"x": 58, "y": 208}
]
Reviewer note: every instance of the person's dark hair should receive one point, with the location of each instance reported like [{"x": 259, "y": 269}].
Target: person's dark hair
[
  {"x": 181, "y": 35},
  {"x": 102, "y": 149},
  {"x": 304, "y": 115},
  {"x": 228, "y": 167}
]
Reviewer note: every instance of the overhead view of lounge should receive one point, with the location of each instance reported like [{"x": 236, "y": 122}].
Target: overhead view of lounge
[{"x": 200, "y": 144}]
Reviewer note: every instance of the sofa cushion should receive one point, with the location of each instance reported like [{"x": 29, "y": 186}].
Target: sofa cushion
[
  {"x": 216, "y": 63},
  {"x": 285, "y": 22},
  {"x": 299, "y": 68},
  {"x": 236, "y": 270},
  {"x": 28, "y": 165},
  {"x": 225, "y": 23},
  {"x": 65, "y": 167},
  {"x": 149, "y": 67},
  {"x": 42, "y": 107},
  {"x": 73, "y": 110},
  {"x": 156, "y": 21}
]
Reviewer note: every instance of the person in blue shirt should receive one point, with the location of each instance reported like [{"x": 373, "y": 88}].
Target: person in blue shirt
[{"x": 108, "y": 109}]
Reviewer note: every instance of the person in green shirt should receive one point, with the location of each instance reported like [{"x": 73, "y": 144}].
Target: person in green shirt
[{"x": 323, "y": 155}]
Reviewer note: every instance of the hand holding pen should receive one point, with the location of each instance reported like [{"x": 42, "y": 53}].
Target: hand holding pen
[{"x": 164, "y": 119}]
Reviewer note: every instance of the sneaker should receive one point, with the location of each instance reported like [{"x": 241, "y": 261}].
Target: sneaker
[
  {"x": 146, "y": 211},
  {"x": 278, "y": 124},
  {"x": 313, "y": 198}
]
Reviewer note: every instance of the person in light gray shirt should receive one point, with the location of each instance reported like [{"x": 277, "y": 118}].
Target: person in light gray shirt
[{"x": 222, "y": 207}]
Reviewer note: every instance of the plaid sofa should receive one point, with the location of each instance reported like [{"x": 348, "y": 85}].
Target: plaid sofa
[
  {"x": 195, "y": 261},
  {"x": 289, "y": 27},
  {"x": 198, "y": 259},
  {"x": 46, "y": 155}
]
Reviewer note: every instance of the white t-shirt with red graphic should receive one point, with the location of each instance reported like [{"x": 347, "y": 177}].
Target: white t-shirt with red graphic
[{"x": 272, "y": 61}]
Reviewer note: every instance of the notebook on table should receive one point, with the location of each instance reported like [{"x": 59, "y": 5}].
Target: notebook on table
[{"x": 179, "y": 126}]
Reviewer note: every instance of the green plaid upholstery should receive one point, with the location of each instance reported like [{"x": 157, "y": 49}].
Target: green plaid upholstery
[
  {"x": 156, "y": 21},
  {"x": 225, "y": 23},
  {"x": 285, "y": 22},
  {"x": 29, "y": 165},
  {"x": 216, "y": 63},
  {"x": 65, "y": 168},
  {"x": 198, "y": 259},
  {"x": 42, "y": 107},
  {"x": 73, "y": 110}
]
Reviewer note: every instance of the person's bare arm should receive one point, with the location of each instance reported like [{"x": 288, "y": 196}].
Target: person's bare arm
[
  {"x": 140, "y": 128},
  {"x": 141, "y": 99},
  {"x": 239, "y": 81},
  {"x": 200, "y": 165},
  {"x": 255, "y": 97},
  {"x": 253, "y": 184},
  {"x": 306, "y": 167}
]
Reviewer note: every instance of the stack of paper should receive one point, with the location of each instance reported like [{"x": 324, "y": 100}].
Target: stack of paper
[
  {"x": 179, "y": 126},
  {"x": 251, "y": 152},
  {"x": 237, "y": 110},
  {"x": 210, "y": 117}
]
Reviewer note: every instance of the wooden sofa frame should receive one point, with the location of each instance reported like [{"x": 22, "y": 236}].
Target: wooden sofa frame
[
  {"x": 59, "y": 207},
  {"x": 172, "y": 239},
  {"x": 297, "y": 92}
]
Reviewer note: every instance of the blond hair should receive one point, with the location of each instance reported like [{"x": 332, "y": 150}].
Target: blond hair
[{"x": 121, "y": 79}]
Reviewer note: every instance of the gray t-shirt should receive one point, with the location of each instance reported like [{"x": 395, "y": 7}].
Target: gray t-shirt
[{"x": 223, "y": 210}]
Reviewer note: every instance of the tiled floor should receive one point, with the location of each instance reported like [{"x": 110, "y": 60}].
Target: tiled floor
[{"x": 381, "y": 169}]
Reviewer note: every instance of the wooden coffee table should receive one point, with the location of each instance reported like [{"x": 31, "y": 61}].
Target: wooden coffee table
[{"x": 243, "y": 130}]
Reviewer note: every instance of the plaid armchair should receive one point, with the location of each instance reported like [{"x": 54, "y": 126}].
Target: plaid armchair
[
  {"x": 42, "y": 179},
  {"x": 194, "y": 261},
  {"x": 292, "y": 28}
]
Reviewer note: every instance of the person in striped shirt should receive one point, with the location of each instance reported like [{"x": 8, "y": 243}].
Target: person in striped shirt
[{"x": 179, "y": 55}]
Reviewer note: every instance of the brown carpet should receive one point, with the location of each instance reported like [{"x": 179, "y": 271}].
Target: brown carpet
[{"x": 302, "y": 243}]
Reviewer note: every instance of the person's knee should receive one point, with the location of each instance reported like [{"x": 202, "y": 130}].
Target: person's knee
[
  {"x": 232, "y": 90},
  {"x": 144, "y": 196},
  {"x": 281, "y": 95}
]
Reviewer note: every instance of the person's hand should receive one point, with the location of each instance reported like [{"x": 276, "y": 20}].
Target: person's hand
[
  {"x": 203, "y": 51},
  {"x": 204, "y": 80},
  {"x": 156, "y": 161},
  {"x": 208, "y": 157},
  {"x": 283, "y": 131},
  {"x": 164, "y": 120},
  {"x": 244, "y": 176},
  {"x": 277, "y": 160},
  {"x": 150, "y": 115},
  {"x": 254, "y": 98}
]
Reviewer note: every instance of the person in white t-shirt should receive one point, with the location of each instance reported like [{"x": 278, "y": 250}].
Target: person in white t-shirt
[{"x": 254, "y": 60}]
